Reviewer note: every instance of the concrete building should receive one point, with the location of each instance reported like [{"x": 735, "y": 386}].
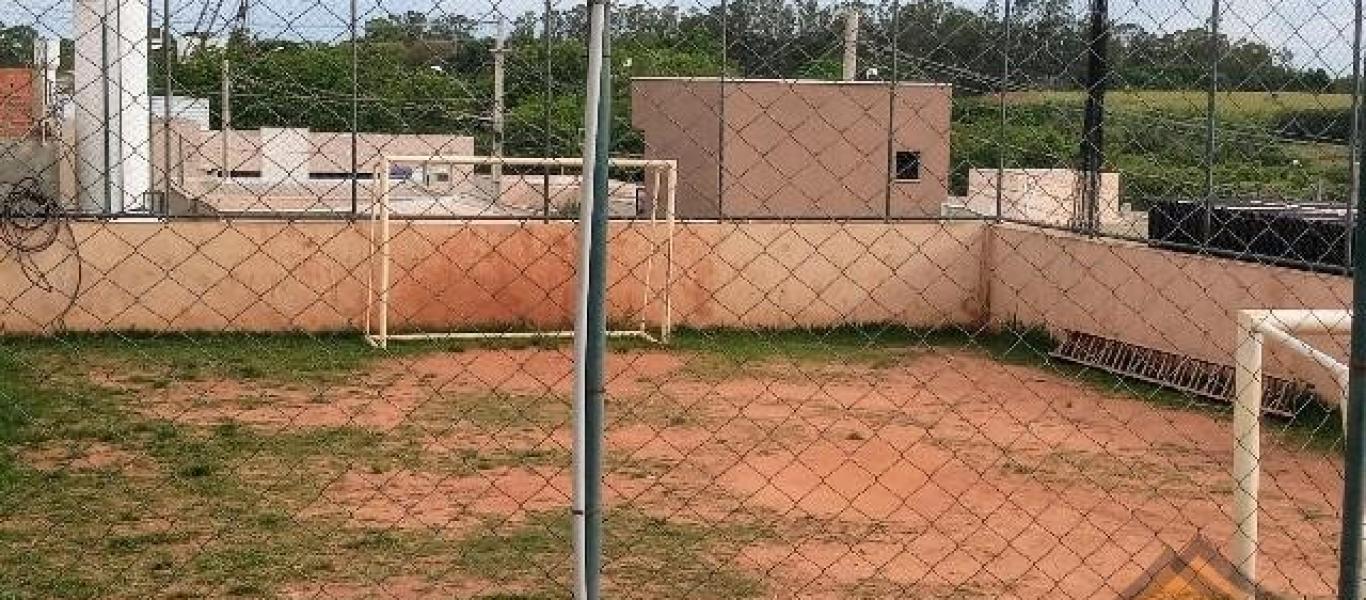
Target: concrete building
[
  {"x": 1049, "y": 197},
  {"x": 750, "y": 148},
  {"x": 291, "y": 153},
  {"x": 188, "y": 108},
  {"x": 290, "y": 169}
]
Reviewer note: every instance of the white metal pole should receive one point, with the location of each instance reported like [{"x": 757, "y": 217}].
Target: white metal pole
[
  {"x": 1247, "y": 408},
  {"x": 1307, "y": 350},
  {"x": 669, "y": 254},
  {"x": 383, "y": 316},
  {"x": 130, "y": 50},
  {"x": 654, "y": 180},
  {"x": 368, "y": 317},
  {"x": 583, "y": 590}
]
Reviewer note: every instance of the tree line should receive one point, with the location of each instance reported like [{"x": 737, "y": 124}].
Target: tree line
[
  {"x": 433, "y": 73},
  {"x": 423, "y": 72}
]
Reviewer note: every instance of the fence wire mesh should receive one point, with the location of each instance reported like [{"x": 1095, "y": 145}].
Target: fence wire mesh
[{"x": 931, "y": 299}]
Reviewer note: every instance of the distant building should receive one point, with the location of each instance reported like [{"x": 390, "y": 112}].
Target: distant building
[
  {"x": 193, "y": 41},
  {"x": 1048, "y": 196},
  {"x": 751, "y": 148},
  {"x": 291, "y": 154},
  {"x": 284, "y": 169},
  {"x": 194, "y": 110}
]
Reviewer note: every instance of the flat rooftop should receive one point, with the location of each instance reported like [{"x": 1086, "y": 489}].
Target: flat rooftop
[{"x": 800, "y": 81}]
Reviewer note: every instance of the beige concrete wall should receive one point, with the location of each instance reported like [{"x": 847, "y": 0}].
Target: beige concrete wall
[
  {"x": 201, "y": 152},
  {"x": 1172, "y": 301},
  {"x": 51, "y": 161},
  {"x": 528, "y": 192},
  {"x": 781, "y": 275},
  {"x": 286, "y": 158},
  {"x": 285, "y": 155},
  {"x": 796, "y": 148},
  {"x": 921, "y": 118},
  {"x": 20, "y": 159},
  {"x": 332, "y": 150},
  {"x": 241, "y": 275},
  {"x": 1039, "y": 195},
  {"x": 681, "y": 119}
]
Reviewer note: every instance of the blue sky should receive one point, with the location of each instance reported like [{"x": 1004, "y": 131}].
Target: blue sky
[{"x": 1318, "y": 32}]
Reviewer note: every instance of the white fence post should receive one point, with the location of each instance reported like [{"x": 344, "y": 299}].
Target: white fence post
[{"x": 1247, "y": 444}]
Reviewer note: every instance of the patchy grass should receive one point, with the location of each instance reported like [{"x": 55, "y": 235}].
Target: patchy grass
[
  {"x": 166, "y": 358},
  {"x": 199, "y": 525},
  {"x": 712, "y": 353},
  {"x": 1313, "y": 427},
  {"x": 719, "y": 354},
  {"x": 498, "y": 411},
  {"x": 218, "y": 513},
  {"x": 162, "y": 359},
  {"x": 650, "y": 556}
]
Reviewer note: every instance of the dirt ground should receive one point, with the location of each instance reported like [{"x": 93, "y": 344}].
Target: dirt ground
[{"x": 935, "y": 473}]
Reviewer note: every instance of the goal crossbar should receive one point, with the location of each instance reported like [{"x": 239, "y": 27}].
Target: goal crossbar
[
  {"x": 662, "y": 174},
  {"x": 1254, "y": 328}
]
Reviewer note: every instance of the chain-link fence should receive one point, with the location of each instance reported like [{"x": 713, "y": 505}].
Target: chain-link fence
[{"x": 917, "y": 299}]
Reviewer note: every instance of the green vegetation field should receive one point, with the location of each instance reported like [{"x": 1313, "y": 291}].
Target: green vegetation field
[
  {"x": 1269, "y": 145},
  {"x": 1238, "y": 105}
]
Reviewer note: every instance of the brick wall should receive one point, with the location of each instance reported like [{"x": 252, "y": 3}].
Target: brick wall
[{"x": 16, "y": 102}]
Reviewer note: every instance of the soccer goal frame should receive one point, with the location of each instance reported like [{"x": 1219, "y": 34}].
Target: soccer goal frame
[
  {"x": 661, "y": 174},
  {"x": 1254, "y": 328}
]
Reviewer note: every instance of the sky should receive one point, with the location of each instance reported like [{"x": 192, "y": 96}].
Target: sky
[{"x": 1318, "y": 32}]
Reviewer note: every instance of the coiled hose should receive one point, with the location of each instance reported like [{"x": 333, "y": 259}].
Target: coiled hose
[{"x": 31, "y": 225}]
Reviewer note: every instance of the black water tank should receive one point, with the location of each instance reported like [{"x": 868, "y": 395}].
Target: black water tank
[{"x": 1297, "y": 235}]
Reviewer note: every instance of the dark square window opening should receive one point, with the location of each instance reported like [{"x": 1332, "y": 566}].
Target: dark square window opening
[{"x": 908, "y": 165}]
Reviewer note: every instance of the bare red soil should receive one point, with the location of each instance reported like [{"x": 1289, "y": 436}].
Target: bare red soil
[{"x": 945, "y": 474}]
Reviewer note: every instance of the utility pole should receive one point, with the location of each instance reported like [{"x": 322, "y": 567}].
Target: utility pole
[
  {"x": 46, "y": 54},
  {"x": 167, "y": 101},
  {"x": 1086, "y": 214},
  {"x": 239, "y": 30},
  {"x": 547, "y": 149},
  {"x": 851, "y": 24},
  {"x": 225, "y": 118},
  {"x": 355, "y": 112},
  {"x": 1354, "y": 136},
  {"x": 498, "y": 63},
  {"x": 1211, "y": 125}
]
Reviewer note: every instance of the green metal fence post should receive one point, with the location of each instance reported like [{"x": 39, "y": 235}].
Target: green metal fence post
[
  {"x": 597, "y": 323},
  {"x": 1354, "y": 485}
]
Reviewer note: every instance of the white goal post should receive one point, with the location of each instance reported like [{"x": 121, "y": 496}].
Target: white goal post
[
  {"x": 662, "y": 177},
  {"x": 1254, "y": 327}
]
